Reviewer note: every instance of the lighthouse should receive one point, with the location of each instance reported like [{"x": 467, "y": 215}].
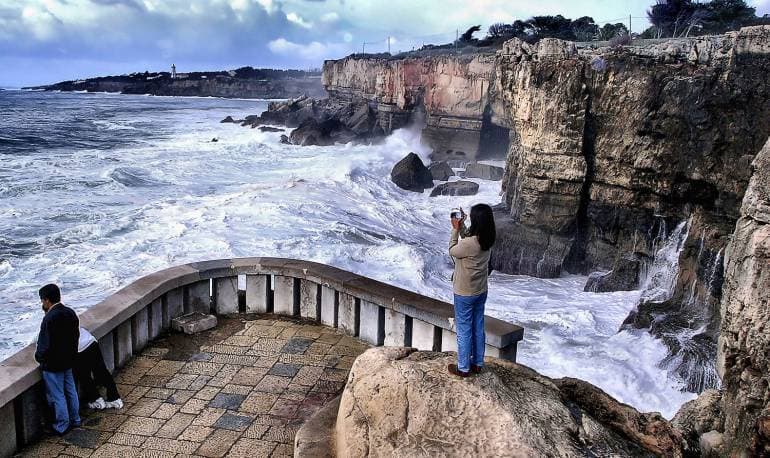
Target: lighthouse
[{"x": 173, "y": 71}]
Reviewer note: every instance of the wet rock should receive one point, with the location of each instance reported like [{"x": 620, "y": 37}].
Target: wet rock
[
  {"x": 484, "y": 171},
  {"x": 411, "y": 174},
  {"x": 362, "y": 120},
  {"x": 229, "y": 119},
  {"x": 456, "y": 188},
  {"x": 624, "y": 276},
  {"x": 251, "y": 120},
  {"x": 699, "y": 416},
  {"x": 441, "y": 171},
  {"x": 214, "y": 140},
  {"x": 399, "y": 402},
  {"x": 270, "y": 129},
  {"x": 324, "y": 133},
  {"x": 285, "y": 140}
]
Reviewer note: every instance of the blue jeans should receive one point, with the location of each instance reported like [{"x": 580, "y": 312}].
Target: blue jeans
[
  {"x": 63, "y": 397},
  {"x": 469, "y": 324}
]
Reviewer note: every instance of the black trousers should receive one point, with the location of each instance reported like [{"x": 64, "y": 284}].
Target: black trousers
[{"x": 91, "y": 373}]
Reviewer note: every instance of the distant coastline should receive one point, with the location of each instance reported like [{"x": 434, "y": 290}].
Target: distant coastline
[{"x": 245, "y": 83}]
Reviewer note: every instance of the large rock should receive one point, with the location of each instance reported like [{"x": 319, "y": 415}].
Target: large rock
[
  {"x": 699, "y": 416},
  {"x": 398, "y": 402},
  {"x": 484, "y": 171},
  {"x": 324, "y": 133},
  {"x": 411, "y": 174},
  {"x": 624, "y": 276},
  {"x": 456, "y": 188},
  {"x": 441, "y": 171},
  {"x": 744, "y": 341}
]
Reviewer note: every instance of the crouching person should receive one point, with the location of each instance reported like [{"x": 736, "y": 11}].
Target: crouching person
[
  {"x": 91, "y": 373},
  {"x": 57, "y": 347}
]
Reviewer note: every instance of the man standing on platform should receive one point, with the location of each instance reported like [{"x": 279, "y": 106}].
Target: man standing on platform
[{"x": 57, "y": 347}]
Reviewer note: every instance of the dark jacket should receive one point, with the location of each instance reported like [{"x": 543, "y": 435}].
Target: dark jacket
[{"x": 57, "y": 344}]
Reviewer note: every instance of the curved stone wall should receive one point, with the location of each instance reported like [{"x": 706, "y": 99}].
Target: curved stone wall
[{"x": 126, "y": 321}]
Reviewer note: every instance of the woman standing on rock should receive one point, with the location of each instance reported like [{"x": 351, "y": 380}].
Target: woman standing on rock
[{"x": 469, "y": 282}]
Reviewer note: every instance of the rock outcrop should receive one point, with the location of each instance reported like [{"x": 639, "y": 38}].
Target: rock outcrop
[
  {"x": 456, "y": 188},
  {"x": 399, "y": 402},
  {"x": 411, "y": 174},
  {"x": 699, "y": 416},
  {"x": 448, "y": 93},
  {"x": 744, "y": 340},
  {"x": 483, "y": 171},
  {"x": 441, "y": 171},
  {"x": 624, "y": 276}
]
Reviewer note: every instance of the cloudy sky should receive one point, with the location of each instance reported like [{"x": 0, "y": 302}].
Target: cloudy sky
[{"x": 43, "y": 41}]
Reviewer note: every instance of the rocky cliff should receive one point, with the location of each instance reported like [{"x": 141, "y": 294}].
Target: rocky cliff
[
  {"x": 744, "y": 342},
  {"x": 614, "y": 152},
  {"x": 631, "y": 161},
  {"x": 448, "y": 93}
]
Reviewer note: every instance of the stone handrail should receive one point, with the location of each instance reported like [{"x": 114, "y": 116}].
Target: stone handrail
[{"x": 126, "y": 321}]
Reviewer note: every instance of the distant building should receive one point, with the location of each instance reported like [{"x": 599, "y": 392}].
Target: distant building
[{"x": 173, "y": 71}]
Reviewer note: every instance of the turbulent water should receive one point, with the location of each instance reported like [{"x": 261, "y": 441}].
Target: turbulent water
[{"x": 97, "y": 190}]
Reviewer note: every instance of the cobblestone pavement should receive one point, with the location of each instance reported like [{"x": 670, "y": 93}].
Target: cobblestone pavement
[{"x": 240, "y": 390}]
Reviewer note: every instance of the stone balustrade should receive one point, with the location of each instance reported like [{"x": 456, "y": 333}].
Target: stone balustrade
[{"x": 126, "y": 321}]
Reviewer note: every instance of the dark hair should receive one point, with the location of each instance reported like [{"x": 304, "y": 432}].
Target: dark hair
[
  {"x": 50, "y": 292},
  {"x": 483, "y": 225}
]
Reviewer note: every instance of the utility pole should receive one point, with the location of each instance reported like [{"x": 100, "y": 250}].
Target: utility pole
[
  {"x": 457, "y": 38},
  {"x": 629, "y": 26},
  {"x": 363, "y": 48},
  {"x": 388, "y": 45}
]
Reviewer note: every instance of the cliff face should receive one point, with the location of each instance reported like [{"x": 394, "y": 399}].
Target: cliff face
[
  {"x": 744, "y": 342},
  {"x": 614, "y": 153},
  {"x": 450, "y": 92}
]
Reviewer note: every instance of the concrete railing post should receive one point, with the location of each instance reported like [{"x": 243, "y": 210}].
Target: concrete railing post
[
  {"x": 139, "y": 330},
  {"x": 347, "y": 313},
  {"x": 329, "y": 299},
  {"x": 226, "y": 295},
  {"x": 283, "y": 301},
  {"x": 371, "y": 323},
  {"x": 310, "y": 300},
  {"x": 257, "y": 289},
  {"x": 198, "y": 297}
]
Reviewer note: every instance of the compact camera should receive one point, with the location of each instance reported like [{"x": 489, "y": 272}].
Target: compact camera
[{"x": 456, "y": 213}]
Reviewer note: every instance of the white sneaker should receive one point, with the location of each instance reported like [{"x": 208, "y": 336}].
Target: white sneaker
[
  {"x": 116, "y": 404},
  {"x": 99, "y": 404}
]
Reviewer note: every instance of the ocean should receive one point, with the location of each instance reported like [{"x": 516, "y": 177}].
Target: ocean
[{"x": 97, "y": 190}]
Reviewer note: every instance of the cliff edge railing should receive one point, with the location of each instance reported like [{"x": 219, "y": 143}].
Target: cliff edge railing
[{"x": 126, "y": 321}]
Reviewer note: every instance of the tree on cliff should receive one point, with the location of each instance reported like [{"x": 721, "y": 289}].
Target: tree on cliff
[
  {"x": 467, "y": 36},
  {"x": 610, "y": 31},
  {"x": 683, "y": 18},
  {"x": 535, "y": 28}
]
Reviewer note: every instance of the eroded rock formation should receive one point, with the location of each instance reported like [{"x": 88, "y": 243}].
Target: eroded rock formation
[
  {"x": 744, "y": 341},
  {"x": 611, "y": 150},
  {"x": 449, "y": 92},
  {"x": 398, "y": 402}
]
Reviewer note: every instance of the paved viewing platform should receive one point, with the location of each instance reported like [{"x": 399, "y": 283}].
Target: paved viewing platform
[
  {"x": 286, "y": 335},
  {"x": 241, "y": 389}
]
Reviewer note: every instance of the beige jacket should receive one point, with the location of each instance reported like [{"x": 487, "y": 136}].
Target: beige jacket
[{"x": 471, "y": 265}]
